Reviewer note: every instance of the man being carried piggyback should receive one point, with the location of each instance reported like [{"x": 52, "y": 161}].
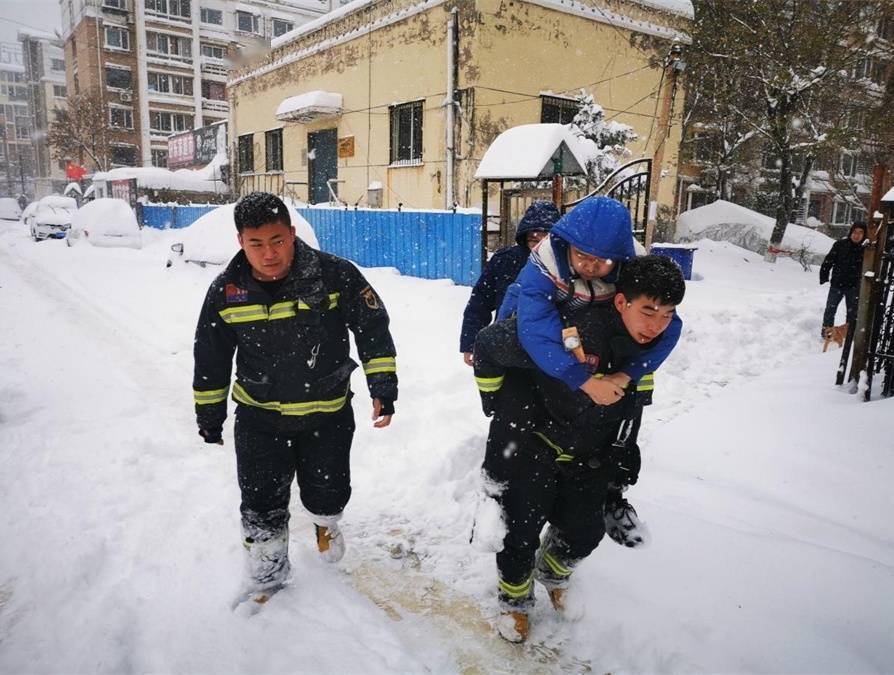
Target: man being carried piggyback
[{"x": 552, "y": 453}]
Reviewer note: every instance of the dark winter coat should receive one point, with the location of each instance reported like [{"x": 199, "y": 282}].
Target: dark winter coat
[
  {"x": 844, "y": 261},
  {"x": 500, "y": 271},
  {"x": 599, "y": 227},
  {"x": 292, "y": 350}
]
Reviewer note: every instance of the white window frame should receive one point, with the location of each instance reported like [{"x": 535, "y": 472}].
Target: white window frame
[
  {"x": 121, "y": 31},
  {"x": 126, "y": 112},
  {"x": 115, "y": 66},
  {"x": 63, "y": 88},
  {"x": 275, "y": 20},
  {"x": 210, "y": 46},
  {"x": 203, "y": 13},
  {"x": 256, "y": 22}
]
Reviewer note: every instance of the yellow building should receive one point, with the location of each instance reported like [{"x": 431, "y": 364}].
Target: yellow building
[{"x": 358, "y": 102}]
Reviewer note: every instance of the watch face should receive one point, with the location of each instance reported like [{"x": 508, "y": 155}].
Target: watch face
[{"x": 571, "y": 342}]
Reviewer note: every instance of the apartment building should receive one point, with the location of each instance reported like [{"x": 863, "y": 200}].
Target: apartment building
[
  {"x": 44, "y": 63},
  {"x": 161, "y": 65},
  {"x": 16, "y": 152}
]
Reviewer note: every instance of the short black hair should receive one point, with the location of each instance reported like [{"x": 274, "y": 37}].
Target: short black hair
[
  {"x": 259, "y": 208},
  {"x": 654, "y": 276}
]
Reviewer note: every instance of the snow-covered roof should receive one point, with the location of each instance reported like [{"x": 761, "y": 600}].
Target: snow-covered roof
[
  {"x": 527, "y": 152},
  {"x": 206, "y": 179},
  {"x": 72, "y": 187},
  {"x": 889, "y": 196},
  {"x": 310, "y": 106},
  {"x": 328, "y": 18},
  {"x": 679, "y": 7}
]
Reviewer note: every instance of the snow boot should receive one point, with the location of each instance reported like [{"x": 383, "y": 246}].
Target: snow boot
[
  {"x": 267, "y": 567},
  {"x": 513, "y": 626},
  {"x": 622, "y": 524},
  {"x": 330, "y": 540}
]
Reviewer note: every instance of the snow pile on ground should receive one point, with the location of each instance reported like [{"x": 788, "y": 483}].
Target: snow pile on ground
[
  {"x": 725, "y": 221},
  {"x": 212, "y": 237},
  {"x": 106, "y": 222},
  {"x": 765, "y": 487}
]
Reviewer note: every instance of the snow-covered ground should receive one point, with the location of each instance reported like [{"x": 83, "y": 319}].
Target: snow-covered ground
[{"x": 766, "y": 489}]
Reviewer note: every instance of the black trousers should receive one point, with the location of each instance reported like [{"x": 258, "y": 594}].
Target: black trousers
[
  {"x": 850, "y": 296},
  {"x": 536, "y": 489},
  {"x": 267, "y": 462}
]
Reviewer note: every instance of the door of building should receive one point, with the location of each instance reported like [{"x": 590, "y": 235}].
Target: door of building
[{"x": 322, "y": 159}]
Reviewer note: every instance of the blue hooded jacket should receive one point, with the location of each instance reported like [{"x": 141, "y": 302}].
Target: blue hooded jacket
[
  {"x": 501, "y": 270},
  {"x": 599, "y": 226}
]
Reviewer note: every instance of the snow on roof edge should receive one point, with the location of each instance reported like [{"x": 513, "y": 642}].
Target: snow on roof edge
[
  {"x": 889, "y": 196},
  {"x": 682, "y": 8},
  {"x": 316, "y": 24}
]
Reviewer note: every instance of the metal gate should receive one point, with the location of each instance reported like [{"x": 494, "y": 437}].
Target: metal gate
[
  {"x": 630, "y": 184},
  {"x": 880, "y": 356}
]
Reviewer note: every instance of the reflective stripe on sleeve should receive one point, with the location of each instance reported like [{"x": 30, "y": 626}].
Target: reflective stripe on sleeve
[
  {"x": 489, "y": 385},
  {"x": 384, "y": 364},
  {"x": 209, "y": 397},
  {"x": 646, "y": 382}
]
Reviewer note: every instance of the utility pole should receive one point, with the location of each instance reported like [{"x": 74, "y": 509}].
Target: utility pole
[
  {"x": 872, "y": 266},
  {"x": 673, "y": 66}
]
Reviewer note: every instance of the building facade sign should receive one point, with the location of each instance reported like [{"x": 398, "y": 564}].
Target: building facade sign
[{"x": 196, "y": 148}]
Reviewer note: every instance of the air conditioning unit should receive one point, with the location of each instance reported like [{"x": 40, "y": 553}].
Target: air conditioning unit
[{"x": 126, "y": 95}]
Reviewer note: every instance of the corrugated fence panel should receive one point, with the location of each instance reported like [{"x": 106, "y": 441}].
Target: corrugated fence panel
[
  {"x": 163, "y": 217},
  {"x": 427, "y": 244}
]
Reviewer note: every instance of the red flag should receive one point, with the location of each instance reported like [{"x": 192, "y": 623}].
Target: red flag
[{"x": 74, "y": 171}]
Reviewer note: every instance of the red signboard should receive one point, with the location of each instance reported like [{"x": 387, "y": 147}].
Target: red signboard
[{"x": 181, "y": 150}]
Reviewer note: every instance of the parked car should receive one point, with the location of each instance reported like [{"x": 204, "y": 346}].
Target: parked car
[
  {"x": 10, "y": 209},
  {"x": 105, "y": 222},
  {"x": 211, "y": 240},
  {"x": 51, "y": 218}
]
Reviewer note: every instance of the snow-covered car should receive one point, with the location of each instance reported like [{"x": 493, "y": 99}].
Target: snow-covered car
[
  {"x": 9, "y": 209},
  {"x": 51, "y": 218},
  {"x": 211, "y": 240},
  {"x": 105, "y": 222}
]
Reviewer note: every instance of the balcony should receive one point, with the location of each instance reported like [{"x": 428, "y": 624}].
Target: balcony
[
  {"x": 211, "y": 66},
  {"x": 211, "y": 105}
]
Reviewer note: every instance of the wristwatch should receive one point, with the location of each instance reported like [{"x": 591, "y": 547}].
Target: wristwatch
[{"x": 571, "y": 341}]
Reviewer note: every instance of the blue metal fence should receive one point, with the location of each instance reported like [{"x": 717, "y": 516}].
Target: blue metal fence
[
  {"x": 428, "y": 244},
  {"x": 163, "y": 217}
]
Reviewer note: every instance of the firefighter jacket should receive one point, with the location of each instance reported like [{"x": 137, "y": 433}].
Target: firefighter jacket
[
  {"x": 292, "y": 350},
  {"x": 574, "y": 426}
]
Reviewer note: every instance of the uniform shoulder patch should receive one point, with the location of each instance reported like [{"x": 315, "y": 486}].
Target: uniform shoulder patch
[
  {"x": 369, "y": 296},
  {"x": 236, "y": 294}
]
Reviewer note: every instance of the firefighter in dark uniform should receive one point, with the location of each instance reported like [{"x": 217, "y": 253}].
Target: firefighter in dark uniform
[
  {"x": 285, "y": 310},
  {"x": 552, "y": 454}
]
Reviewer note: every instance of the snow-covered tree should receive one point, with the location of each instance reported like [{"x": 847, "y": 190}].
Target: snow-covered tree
[
  {"x": 797, "y": 66},
  {"x": 608, "y": 138},
  {"x": 81, "y": 130}
]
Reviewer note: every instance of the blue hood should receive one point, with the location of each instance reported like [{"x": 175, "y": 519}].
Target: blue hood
[
  {"x": 598, "y": 226},
  {"x": 540, "y": 215}
]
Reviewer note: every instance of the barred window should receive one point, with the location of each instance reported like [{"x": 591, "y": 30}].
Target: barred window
[
  {"x": 406, "y": 133},
  {"x": 273, "y": 149},
  {"x": 246, "y": 153}
]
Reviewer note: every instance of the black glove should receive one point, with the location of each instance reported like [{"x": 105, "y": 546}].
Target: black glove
[
  {"x": 212, "y": 435},
  {"x": 387, "y": 406}
]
